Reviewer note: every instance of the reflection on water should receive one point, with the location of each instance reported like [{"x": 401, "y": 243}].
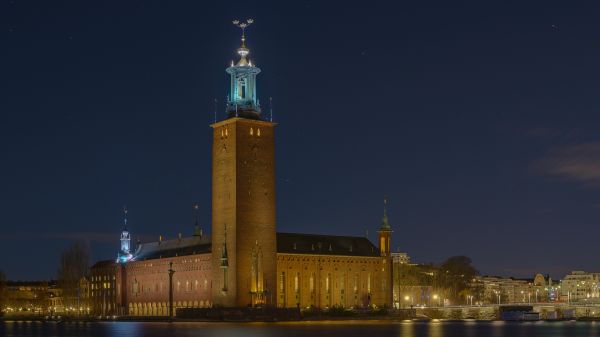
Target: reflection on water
[{"x": 303, "y": 329}]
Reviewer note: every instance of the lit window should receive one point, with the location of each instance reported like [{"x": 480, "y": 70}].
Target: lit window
[
  {"x": 251, "y": 131},
  {"x": 258, "y": 132}
]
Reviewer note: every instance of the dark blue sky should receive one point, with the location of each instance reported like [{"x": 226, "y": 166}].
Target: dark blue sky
[{"x": 478, "y": 119}]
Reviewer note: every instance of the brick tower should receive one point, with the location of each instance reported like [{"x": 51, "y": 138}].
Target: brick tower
[{"x": 243, "y": 195}]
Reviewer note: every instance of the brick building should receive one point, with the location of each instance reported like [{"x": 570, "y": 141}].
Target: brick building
[{"x": 244, "y": 262}]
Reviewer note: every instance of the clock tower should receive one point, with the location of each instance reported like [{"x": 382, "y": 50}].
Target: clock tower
[{"x": 243, "y": 194}]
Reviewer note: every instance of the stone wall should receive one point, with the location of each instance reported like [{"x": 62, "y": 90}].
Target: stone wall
[
  {"x": 325, "y": 281},
  {"x": 148, "y": 284}
]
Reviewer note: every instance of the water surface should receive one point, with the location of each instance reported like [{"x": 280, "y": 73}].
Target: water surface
[{"x": 303, "y": 329}]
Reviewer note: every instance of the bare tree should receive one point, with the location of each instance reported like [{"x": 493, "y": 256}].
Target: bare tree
[
  {"x": 73, "y": 265},
  {"x": 2, "y": 290}
]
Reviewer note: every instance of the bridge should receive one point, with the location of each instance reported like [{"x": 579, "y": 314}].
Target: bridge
[{"x": 546, "y": 310}]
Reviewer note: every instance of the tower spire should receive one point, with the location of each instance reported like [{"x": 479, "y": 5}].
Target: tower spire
[
  {"x": 197, "y": 229},
  {"x": 385, "y": 224},
  {"x": 125, "y": 218},
  {"x": 242, "y": 50},
  {"x": 385, "y": 231}
]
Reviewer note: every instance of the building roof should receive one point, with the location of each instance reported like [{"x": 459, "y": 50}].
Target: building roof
[
  {"x": 103, "y": 263},
  {"x": 295, "y": 243},
  {"x": 175, "y": 247},
  {"x": 28, "y": 283}
]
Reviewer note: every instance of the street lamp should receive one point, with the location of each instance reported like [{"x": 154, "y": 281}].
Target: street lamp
[
  {"x": 409, "y": 298},
  {"x": 436, "y": 297}
]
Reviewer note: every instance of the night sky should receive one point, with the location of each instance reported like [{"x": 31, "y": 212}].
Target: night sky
[{"x": 479, "y": 120}]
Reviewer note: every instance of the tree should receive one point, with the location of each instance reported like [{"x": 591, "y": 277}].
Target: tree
[
  {"x": 73, "y": 265},
  {"x": 2, "y": 290},
  {"x": 456, "y": 274}
]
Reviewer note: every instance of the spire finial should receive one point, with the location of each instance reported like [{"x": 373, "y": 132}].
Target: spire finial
[
  {"x": 384, "y": 220},
  {"x": 125, "y": 217},
  {"x": 243, "y": 51},
  {"x": 197, "y": 229}
]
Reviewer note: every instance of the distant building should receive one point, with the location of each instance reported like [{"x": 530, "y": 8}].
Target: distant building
[
  {"x": 580, "y": 286},
  {"x": 26, "y": 296},
  {"x": 400, "y": 258},
  {"x": 502, "y": 290},
  {"x": 105, "y": 289}
]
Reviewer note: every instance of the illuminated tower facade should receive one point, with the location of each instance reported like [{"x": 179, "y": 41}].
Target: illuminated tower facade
[{"x": 243, "y": 194}]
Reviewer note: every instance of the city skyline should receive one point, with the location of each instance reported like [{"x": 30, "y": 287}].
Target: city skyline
[{"x": 479, "y": 148}]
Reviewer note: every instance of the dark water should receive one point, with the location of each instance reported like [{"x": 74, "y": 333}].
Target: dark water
[{"x": 303, "y": 329}]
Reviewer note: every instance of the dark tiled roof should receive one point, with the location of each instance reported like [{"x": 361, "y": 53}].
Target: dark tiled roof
[
  {"x": 293, "y": 243},
  {"x": 176, "y": 247}
]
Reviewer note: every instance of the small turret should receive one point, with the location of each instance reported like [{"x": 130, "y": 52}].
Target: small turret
[{"x": 125, "y": 253}]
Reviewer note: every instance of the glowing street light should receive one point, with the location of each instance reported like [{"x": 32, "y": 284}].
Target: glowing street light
[{"x": 436, "y": 297}]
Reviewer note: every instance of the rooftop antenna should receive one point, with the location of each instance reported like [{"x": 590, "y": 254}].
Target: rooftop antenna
[{"x": 271, "y": 107}]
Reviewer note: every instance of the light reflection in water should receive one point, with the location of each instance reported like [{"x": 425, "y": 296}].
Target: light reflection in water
[{"x": 302, "y": 329}]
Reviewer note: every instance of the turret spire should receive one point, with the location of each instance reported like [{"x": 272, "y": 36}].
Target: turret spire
[
  {"x": 385, "y": 224},
  {"x": 125, "y": 253},
  {"x": 197, "y": 229},
  {"x": 243, "y": 51},
  {"x": 385, "y": 232},
  {"x": 125, "y": 218}
]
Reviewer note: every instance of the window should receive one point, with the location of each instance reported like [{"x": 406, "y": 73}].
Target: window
[{"x": 296, "y": 282}]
